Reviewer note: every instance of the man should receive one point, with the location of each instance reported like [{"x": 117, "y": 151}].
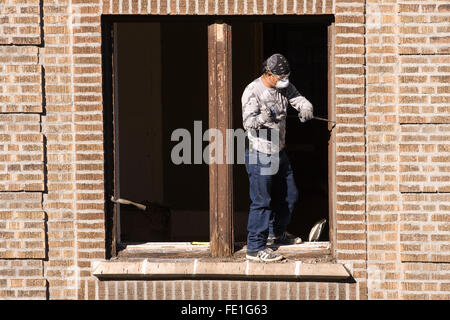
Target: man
[{"x": 264, "y": 106}]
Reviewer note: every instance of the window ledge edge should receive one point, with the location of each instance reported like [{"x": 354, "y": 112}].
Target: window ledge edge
[{"x": 152, "y": 269}]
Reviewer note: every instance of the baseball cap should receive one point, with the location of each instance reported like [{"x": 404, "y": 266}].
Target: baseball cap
[{"x": 277, "y": 64}]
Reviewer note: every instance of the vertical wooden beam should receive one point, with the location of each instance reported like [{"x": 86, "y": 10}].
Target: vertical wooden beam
[
  {"x": 220, "y": 118},
  {"x": 331, "y": 140}
]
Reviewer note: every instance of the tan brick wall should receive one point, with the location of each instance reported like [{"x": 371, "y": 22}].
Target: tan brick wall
[
  {"x": 424, "y": 153},
  {"x": 406, "y": 107},
  {"x": 22, "y": 279},
  {"x": 20, "y": 22},
  {"x": 424, "y": 227},
  {"x": 423, "y": 96},
  {"x": 216, "y": 290},
  {"x": 219, "y": 7},
  {"x": 21, "y": 153},
  {"x": 382, "y": 199},
  {"x": 22, "y": 225},
  {"x": 350, "y": 162},
  {"x": 20, "y": 79},
  {"x": 423, "y": 27},
  {"x": 425, "y": 281},
  {"x": 391, "y": 85},
  {"x": 58, "y": 125},
  {"x": 424, "y": 90}
]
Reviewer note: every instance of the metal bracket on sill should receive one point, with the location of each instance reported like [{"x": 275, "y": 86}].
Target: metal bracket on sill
[{"x": 124, "y": 201}]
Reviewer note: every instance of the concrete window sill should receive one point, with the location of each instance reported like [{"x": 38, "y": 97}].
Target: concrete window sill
[
  {"x": 306, "y": 261},
  {"x": 202, "y": 269},
  {"x": 305, "y": 252}
]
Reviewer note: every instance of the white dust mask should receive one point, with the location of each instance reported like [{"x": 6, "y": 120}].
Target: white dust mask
[{"x": 282, "y": 83}]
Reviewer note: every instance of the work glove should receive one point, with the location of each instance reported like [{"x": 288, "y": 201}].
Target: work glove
[
  {"x": 306, "y": 113},
  {"x": 266, "y": 115}
]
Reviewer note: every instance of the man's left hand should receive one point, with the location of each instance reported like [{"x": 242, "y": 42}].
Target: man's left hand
[{"x": 306, "y": 113}]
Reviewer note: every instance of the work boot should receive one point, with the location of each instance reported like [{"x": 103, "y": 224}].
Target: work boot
[{"x": 285, "y": 239}]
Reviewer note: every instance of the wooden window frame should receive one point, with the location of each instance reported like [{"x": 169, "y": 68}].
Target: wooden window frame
[
  {"x": 221, "y": 235},
  {"x": 220, "y": 117}
]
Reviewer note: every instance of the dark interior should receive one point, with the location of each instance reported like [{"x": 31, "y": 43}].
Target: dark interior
[
  {"x": 163, "y": 85},
  {"x": 305, "y": 47}
]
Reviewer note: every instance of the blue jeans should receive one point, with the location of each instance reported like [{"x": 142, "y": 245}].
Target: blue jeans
[{"x": 272, "y": 197}]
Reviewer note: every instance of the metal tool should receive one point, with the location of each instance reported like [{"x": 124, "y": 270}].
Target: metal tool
[
  {"x": 317, "y": 118},
  {"x": 316, "y": 230},
  {"x": 124, "y": 201},
  {"x": 323, "y": 119}
]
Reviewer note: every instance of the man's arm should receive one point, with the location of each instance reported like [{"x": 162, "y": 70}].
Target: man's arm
[
  {"x": 253, "y": 116},
  {"x": 300, "y": 103}
]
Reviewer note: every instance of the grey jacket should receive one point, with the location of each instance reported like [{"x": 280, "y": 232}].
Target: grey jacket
[{"x": 255, "y": 98}]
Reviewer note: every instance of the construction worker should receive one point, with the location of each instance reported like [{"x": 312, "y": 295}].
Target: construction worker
[{"x": 264, "y": 106}]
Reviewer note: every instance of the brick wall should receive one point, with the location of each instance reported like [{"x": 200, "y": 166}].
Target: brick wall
[
  {"x": 382, "y": 198},
  {"x": 23, "y": 246},
  {"x": 407, "y": 143},
  {"x": 217, "y": 290},
  {"x": 20, "y": 22},
  {"x": 423, "y": 51},
  {"x": 392, "y": 201}
]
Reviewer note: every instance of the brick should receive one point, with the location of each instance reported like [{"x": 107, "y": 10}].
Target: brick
[
  {"x": 20, "y": 22},
  {"x": 378, "y": 88},
  {"x": 422, "y": 105},
  {"x": 427, "y": 230},
  {"x": 20, "y": 80},
  {"x": 431, "y": 40},
  {"x": 421, "y": 167},
  {"x": 25, "y": 224}
]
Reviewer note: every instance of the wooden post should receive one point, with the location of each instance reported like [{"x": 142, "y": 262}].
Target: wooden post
[{"x": 220, "y": 117}]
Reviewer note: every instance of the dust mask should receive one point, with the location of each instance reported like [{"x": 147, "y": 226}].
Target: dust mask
[{"x": 282, "y": 83}]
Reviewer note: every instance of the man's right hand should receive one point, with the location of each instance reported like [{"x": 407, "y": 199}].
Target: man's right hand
[{"x": 265, "y": 116}]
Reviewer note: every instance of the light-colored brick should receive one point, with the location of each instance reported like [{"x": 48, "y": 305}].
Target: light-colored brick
[{"x": 20, "y": 22}]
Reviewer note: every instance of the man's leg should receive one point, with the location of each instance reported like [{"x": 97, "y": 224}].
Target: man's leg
[
  {"x": 284, "y": 197},
  {"x": 260, "y": 210}
]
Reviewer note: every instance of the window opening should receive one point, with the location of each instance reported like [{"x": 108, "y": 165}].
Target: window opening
[
  {"x": 305, "y": 47},
  {"x": 162, "y": 85}
]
